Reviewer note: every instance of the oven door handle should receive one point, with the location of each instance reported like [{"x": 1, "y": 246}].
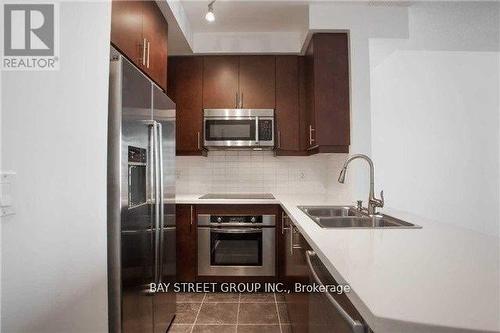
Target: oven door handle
[{"x": 237, "y": 231}]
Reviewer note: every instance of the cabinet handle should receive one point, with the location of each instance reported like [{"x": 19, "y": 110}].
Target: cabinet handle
[
  {"x": 236, "y": 100},
  {"x": 279, "y": 139},
  {"x": 283, "y": 218},
  {"x": 241, "y": 101},
  {"x": 144, "y": 52},
  {"x": 147, "y": 61},
  {"x": 293, "y": 246},
  {"x": 199, "y": 141},
  {"x": 311, "y": 139}
]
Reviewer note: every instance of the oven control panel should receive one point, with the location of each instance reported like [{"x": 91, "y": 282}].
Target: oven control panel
[{"x": 236, "y": 219}]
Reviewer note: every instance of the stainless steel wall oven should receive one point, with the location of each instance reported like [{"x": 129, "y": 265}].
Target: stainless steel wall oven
[{"x": 236, "y": 245}]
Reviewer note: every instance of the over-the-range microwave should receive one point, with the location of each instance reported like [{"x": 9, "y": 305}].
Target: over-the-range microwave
[{"x": 238, "y": 128}]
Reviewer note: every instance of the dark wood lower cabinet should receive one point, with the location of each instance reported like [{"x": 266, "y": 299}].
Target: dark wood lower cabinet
[
  {"x": 186, "y": 243},
  {"x": 294, "y": 270}
]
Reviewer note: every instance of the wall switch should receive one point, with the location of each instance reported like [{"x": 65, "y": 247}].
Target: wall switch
[
  {"x": 6, "y": 189},
  {"x": 7, "y": 211}
]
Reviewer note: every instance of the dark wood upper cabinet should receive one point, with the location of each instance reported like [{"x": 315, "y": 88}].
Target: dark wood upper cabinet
[
  {"x": 155, "y": 31},
  {"x": 220, "y": 82},
  {"x": 287, "y": 113},
  {"x": 257, "y": 82},
  {"x": 185, "y": 87},
  {"x": 126, "y": 28},
  {"x": 139, "y": 31},
  {"x": 327, "y": 93}
]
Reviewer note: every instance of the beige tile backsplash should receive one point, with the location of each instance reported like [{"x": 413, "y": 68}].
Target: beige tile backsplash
[{"x": 260, "y": 171}]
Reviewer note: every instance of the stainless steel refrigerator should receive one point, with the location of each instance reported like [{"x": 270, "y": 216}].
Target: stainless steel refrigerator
[{"x": 141, "y": 208}]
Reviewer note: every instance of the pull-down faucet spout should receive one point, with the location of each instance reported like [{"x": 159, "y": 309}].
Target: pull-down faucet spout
[{"x": 373, "y": 202}]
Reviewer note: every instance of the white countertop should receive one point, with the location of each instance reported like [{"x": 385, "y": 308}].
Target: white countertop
[{"x": 439, "y": 278}]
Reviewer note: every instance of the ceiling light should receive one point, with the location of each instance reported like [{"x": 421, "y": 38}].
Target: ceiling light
[{"x": 210, "y": 16}]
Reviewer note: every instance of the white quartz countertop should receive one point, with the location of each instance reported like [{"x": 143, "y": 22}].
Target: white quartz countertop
[{"x": 439, "y": 278}]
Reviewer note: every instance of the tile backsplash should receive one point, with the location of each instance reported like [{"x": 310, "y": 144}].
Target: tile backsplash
[{"x": 260, "y": 171}]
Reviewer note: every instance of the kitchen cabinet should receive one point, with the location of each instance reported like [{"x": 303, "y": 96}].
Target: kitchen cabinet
[
  {"x": 327, "y": 93},
  {"x": 257, "y": 82},
  {"x": 239, "y": 82},
  {"x": 155, "y": 32},
  {"x": 220, "y": 82},
  {"x": 139, "y": 31},
  {"x": 186, "y": 247},
  {"x": 185, "y": 87},
  {"x": 288, "y": 107},
  {"x": 293, "y": 269}
]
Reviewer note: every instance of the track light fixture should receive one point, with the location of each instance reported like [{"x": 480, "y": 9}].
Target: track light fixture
[{"x": 210, "y": 16}]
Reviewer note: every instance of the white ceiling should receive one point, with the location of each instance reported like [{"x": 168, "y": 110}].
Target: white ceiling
[{"x": 247, "y": 16}]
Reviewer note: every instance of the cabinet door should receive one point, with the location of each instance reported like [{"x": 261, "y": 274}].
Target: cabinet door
[
  {"x": 309, "y": 97},
  {"x": 155, "y": 29},
  {"x": 287, "y": 104},
  {"x": 257, "y": 82},
  {"x": 126, "y": 29},
  {"x": 185, "y": 87},
  {"x": 220, "y": 82},
  {"x": 296, "y": 271},
  {"x": 331, "y": 84},
  {"x": 186, "y": 234}
]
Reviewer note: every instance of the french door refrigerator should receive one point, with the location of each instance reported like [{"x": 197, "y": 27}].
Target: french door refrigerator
[{"x": 141, "y": 208}]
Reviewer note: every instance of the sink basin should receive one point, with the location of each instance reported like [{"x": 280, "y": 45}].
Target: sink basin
[
  {"x": 350, "y": 217},
  {"x": 331, "y": 211}
]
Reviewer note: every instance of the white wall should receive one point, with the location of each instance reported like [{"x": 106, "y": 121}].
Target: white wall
[
  {"x": 435, "y": 115},
  {"x": 54, "y": 128}
]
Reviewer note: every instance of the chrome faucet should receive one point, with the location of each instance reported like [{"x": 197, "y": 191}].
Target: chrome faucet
[{"x": 373, "y": 202}]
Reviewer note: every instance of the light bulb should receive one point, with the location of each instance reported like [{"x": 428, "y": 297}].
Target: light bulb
[{"x": 210, "y": 17}]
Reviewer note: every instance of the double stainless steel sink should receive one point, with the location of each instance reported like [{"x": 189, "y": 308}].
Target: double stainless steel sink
[{"x": 351, "y": 217}]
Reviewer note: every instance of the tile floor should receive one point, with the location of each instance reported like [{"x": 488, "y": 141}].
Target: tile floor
[{"x": 231, "y": 313}]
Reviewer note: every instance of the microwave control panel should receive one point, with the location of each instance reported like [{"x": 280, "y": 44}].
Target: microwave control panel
[{"x": 265, "y": 130}]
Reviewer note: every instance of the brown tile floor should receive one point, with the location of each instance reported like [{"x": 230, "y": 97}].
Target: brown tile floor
[{"x": 231, "y": 313}]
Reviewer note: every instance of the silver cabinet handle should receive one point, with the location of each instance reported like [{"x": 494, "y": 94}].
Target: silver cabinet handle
[
  {"x": 279, "y": 139},
  {"x": 311, "y": 139},
  {"x": 144, "y": 52},
  {"x": 293, "y": 246},
  {"x": 199, "y": 141},
  {"x": 356, "y": 325},
  {"x": 283, "y": 218},
  {"x": 147, "y": 59}
]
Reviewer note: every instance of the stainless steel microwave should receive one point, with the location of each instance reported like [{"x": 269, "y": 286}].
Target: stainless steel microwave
[{"x": 238, "y": 128}]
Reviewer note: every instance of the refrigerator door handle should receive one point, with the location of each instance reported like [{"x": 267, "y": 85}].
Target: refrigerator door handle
[
  {"x": 161, "y": 202},
  {"x": 156, "y": 202}
]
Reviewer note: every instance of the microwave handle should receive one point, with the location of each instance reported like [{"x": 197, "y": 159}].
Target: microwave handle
[{"x": 257, "y": 139}]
